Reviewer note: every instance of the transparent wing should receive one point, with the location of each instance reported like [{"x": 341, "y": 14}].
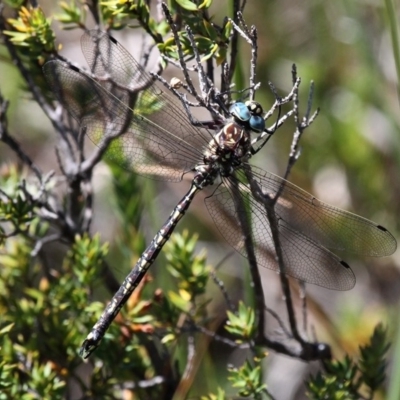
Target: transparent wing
[
  {"x": 303, "y": 258},
  {"x": 307, "y": 227},
  {"x": 107, "y": 58},
  {"x": 330, "y": 226},
  {"x": 123, "y": 102}
]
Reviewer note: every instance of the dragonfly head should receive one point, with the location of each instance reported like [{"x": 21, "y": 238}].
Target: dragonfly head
[{"x": 250, "y": 114}]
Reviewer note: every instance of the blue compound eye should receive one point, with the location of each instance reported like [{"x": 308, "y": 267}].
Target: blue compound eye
[
  {"x": 250, "y": 112},
  {"x": 257, "y": 123},
  {"x": 240, "y": 111}
]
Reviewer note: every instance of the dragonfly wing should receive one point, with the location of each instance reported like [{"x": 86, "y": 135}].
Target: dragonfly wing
[
  {"x": 303, "y": 258},
  {"x": 327, "y": 225},
  {"x": 110, "y": 61},
  {"x": 150, "y": 135},
  {"x": 107, "y": 58}
]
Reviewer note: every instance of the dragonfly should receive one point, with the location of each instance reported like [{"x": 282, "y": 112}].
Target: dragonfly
[{"x": 120, "y": 105}]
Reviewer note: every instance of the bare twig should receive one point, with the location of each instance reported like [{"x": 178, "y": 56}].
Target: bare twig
[{"x": 12, "y": 143}]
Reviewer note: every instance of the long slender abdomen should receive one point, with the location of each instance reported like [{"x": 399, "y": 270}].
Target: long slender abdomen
[{"x": 136, "y": 275}]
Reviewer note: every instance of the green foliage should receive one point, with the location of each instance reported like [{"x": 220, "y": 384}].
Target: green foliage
[
  {"x": 373, "y": 362},
  {"x": 40, "y": 318},
  {"x": 86, "y": 257},
  {"x": 38, "y": 381},
  {"x": 219, "y": 396},
  {"x": 191, "y": 274},
  {"x": 32, "y": 32},
  {"x": 249, "y": 379},
  {"x": 128, "y": 207},
  {"x": 18, "y": 206},
  {"x": 345, "y": 379},
  {"x": 241, "y": 324},
  {"x": 116, "y": 14},
  {"x": 190, "y": 269},
  {"x": 15, "y": 3},
  {"x": 73, "y": 15},
  {"x": 211, "y": 40},
  {"x": 338, "y": 384}
]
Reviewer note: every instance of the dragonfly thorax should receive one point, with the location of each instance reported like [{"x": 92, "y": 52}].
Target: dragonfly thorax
[{"x": 228, "y": 148}]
